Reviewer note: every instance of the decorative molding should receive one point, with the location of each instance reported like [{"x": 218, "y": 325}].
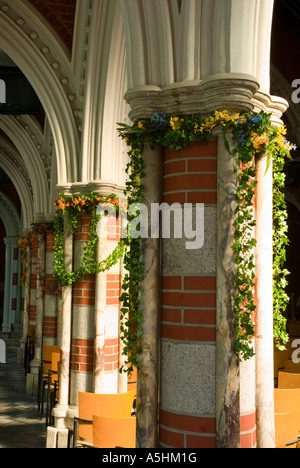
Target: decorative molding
[{"x": 233, "y": 92}]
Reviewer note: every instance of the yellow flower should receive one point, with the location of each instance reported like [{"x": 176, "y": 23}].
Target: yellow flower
[
  {"x": 259, "y": 140},
  {"x": 175, "y": 123},
  {"x": 140, "y": 124}
]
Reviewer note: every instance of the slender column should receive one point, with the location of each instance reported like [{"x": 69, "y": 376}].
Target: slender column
[
  {"x": 7, "y": 286},
  {"x": 264, "y": 307},
  {"x": 147, "y": 387},
  {"x": 26, "y": 304},
  {"x": 65, "y": 327},
  {"x": 100, "y": 305},
  {"x": 122, "y": 377},
  {"x": 227, "y": 368},
  {"x": 40, "y": 265}
]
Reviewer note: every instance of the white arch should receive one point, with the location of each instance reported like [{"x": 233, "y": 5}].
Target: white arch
[
  {"x": 12, "y": 163},
  {"x": 32, "y": 161},
  {"x": 10, "y": 217},
  {"x": 42, "y": 76}
]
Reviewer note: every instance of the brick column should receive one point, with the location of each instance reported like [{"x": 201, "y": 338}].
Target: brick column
[
  {"x": 51, "y": 293},
  {"x": 83, "y": 321},
  {"x": 188, "y": 316}
]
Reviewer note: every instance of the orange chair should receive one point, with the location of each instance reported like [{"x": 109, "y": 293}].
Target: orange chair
[
  {"x": 286, "y": 430},
  {"x": 286, "y": 400},
  {"x": 52, "y": 386},
  {"x": 288, "y": 380},
  {"x": 114, "y": 432},
  {"x": 43, "y": 373},
  {"x": 110, "y": 405}
]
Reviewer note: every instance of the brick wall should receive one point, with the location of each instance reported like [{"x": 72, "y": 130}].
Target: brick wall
[{"x": 61, "y": 16}]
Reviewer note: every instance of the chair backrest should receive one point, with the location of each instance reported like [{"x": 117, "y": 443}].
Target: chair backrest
[
  {"x": 31, "y": 333},
  {"x": 288, "y": 380},
  {"x": 47, "y": 355},
  {"x": 118, "y": 405},
  {"x": 286, "y": 429},
  {"x": 114, "y": 432},
  {"x": 286, "y": 400},
  {"x": 55, "y": 360}
]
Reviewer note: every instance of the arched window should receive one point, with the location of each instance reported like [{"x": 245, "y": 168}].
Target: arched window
[{"x": 2, "y": 92}]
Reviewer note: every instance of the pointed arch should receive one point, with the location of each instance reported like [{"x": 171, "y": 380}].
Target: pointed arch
[
  {"x": 12, "y": 163},
  {"x": 35, "y": 63}
]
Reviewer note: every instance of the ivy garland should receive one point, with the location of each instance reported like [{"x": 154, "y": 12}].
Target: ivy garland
[
  {"x": 252, "y": 134},
  {"x": 89, "y": 265}
]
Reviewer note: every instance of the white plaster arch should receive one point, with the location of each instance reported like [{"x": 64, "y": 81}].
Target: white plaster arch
[
  {"x": 32, "y": 161},
  {"x": 43, "y": 75},
  {"x": 10, "y": 217},
  {"x": 12, "y": 163}
]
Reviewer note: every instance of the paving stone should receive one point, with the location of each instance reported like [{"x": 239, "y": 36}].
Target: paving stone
[{"x": 20, "y": 422}]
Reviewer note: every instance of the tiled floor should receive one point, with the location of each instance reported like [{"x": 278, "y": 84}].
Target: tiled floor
[{"x": 20, "y": 424}]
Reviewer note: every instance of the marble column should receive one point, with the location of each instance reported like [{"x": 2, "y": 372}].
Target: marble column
[
  {"x": 147, "y": 380},
  {"x": 227, "y": 367},
  {"x": 7, "y": 285},
  {"x": 26, "y": 306},
  {"x": 38, "y": 347},
  {"x": 65, "y": 326},
  {"x": 264, "y": 306},
  {"x": 100, "y": 305}
]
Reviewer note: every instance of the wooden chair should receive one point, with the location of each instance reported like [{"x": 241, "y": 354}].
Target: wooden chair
[
  {"x": 287, "y": 400},
  {"x": 288, "y": 380},
  {"x": 52, "y": 386},
  {"x": 286, "y": 430},
  {"x": 114, "y": 432},
  {"x": 110, "y": 405},
  {"x": 44, "y": 372}
]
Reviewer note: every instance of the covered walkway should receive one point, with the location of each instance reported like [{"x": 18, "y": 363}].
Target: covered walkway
[{"x": 20, "y": 424}]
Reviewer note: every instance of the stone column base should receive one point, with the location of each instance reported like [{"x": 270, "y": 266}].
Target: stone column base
[
  {"x": 32, "y": 383},
  {"x": 57, "y": 438}
]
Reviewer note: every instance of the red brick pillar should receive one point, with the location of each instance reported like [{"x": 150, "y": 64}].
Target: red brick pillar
[
  {"x": 52, "y": 292},
  {"x": 33, "y": 282},
  {"x": 83, "y": 318},
  {"x": 188, "y": 316}
]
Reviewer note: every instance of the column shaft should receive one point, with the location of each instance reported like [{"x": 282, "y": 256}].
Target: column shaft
[{"x": 264, "y": 307}]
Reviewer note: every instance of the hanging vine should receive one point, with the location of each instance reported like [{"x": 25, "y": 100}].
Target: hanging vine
[{"x": 252, "y": 133}]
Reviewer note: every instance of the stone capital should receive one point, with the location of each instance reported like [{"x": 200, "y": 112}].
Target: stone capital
[{"x": 235, "y": 92}]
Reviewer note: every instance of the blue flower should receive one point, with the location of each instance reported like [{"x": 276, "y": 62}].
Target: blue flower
[
  {"x": 158, "y": 119},
  {"x": 241, "y": 138}
]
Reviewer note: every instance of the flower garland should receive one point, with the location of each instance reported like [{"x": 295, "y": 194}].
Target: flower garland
[
  {"x": 252, "y": 133},
  {"x": 89, "y": 265}
]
